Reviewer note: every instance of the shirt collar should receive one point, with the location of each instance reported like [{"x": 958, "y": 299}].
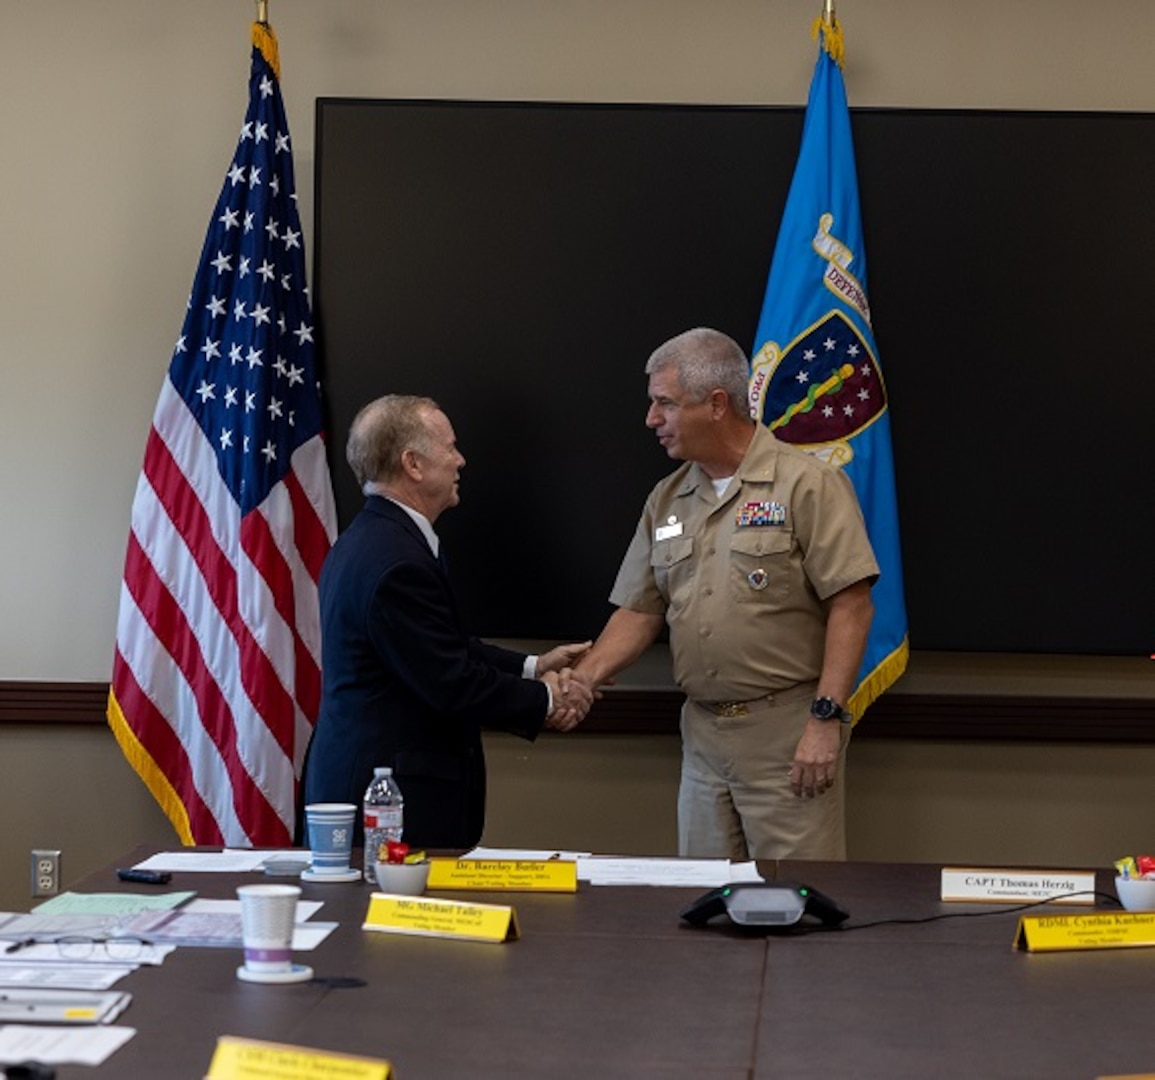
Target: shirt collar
[{"x": 422, "y": 522}]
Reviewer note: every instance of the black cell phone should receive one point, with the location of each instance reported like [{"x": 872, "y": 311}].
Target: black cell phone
[{"x": 149, "y": 877}]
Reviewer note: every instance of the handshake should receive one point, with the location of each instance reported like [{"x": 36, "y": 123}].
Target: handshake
[{"x": 572, "y": 695}]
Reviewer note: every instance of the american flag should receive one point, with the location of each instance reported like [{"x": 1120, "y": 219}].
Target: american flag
[{"x": 216, "y": 679}]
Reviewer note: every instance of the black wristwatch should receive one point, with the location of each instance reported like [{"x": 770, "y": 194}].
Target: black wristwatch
[{"x": 826, "y": 708}]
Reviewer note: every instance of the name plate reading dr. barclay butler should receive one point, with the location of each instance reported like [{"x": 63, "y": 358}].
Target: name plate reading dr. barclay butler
[
  {"x": 513, "y": 875},
  {"x": 1018, "y": 886}
]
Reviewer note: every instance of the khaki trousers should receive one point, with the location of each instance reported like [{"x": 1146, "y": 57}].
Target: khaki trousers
[{"x": 735, "y": 799}]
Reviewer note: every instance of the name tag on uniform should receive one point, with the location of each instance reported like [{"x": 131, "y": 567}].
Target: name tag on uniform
[{"x": 668, "y": 532}]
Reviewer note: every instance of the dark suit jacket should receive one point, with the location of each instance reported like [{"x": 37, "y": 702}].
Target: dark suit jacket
[{"x": 404, "y": 685}]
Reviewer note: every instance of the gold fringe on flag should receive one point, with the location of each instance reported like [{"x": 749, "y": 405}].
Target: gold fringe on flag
[
  {"x": 265, "y": 40},
  {"x": 830, "y": 28},
  {"x": 871, "y": 688},
  {"x": 149, "y": 771}
]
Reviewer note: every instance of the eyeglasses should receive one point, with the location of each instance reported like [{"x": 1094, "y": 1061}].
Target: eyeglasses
[
  {"x": 84, "y": 948},
  {"x": 115, "y": 948}
]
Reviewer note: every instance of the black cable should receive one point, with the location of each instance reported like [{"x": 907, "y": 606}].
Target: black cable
[{"x": 980, "y": 914}]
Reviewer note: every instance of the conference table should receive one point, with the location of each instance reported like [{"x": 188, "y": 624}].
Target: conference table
[{"x": 610, "y": 982}]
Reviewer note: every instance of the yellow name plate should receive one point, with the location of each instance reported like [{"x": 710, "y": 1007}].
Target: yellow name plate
[
  {"x": 250, "y": 1059},
  {"x": 986, "y": 885},
  {"x": 514, "y": 875},
  {"x": 1097, "y": 930},
  {"x": 427, "y": 917}
]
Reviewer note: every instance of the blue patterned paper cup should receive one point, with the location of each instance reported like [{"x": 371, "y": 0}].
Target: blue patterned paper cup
[{"x": 330, "y": 828}]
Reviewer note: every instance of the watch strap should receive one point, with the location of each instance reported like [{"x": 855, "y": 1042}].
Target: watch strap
[{"x": 826, "y": 708}]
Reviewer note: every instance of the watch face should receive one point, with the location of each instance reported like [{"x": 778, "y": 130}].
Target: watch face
[{"x": 825, "y": 708}]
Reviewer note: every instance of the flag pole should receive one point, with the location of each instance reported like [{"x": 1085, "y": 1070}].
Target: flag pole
[
  {"x": 264, "y": 38},
  {"x": 216, "y": 677},
  {"x": 827, "y": 31}
]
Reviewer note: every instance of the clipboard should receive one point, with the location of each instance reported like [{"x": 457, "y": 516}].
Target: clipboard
[{"x": 44, "y": 1006}]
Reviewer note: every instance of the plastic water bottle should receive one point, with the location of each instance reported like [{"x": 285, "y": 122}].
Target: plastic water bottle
[{"x": 384, "y": 816}]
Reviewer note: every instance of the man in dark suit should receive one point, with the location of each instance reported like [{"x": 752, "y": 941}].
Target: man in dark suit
[{"x": 403, "y": 684}]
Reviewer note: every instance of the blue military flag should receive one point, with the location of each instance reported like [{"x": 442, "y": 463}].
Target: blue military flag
[{"x": 815, "y": 378}]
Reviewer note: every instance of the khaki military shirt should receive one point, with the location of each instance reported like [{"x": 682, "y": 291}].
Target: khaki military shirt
[{"x": 741, "y": 579}]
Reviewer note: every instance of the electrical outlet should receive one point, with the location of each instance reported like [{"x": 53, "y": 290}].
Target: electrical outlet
[{"x": 45, "y": 873}]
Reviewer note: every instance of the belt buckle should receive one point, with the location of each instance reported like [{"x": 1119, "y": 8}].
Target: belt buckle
[{"x": 731, "y": 709}]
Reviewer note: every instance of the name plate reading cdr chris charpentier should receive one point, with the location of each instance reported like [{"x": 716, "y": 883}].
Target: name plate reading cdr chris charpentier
[
  {"x": 1018, "y": 886},
  {"x": 250, "y": 1059}
]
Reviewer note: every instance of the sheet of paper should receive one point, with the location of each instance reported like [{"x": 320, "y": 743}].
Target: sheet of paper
[
  {"x": 46, "y": 952},
  {"x": 306, "y": 935},
  {"x": 62, "y": 1006},
  {"x": 306, "y": 909},
  {"x": 208, "y": 862},
  {"x": 202, "y": 929},
  {"x": 523, "y": 854},
  {"x": 74, "y": 903},
  {"x": 62, "y": 1045},
  {"x": 279, "y": 854},
  {"x": 216, "y": 924},
  {"x": 621, "y": 870},
  {"x": 745, "y": 871},
  {"x": 15, "y": 926},
  {"x": 68, "y": 976},
  {"x": 229, "y": 861}
]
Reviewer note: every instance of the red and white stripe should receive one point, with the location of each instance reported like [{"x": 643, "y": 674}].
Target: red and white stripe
[{"x": 217, "y": 678}]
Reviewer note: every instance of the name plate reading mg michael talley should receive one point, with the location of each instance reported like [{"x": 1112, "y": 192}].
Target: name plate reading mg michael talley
[
  {"x": 427, "y": 917},
  {"x": 513, "y": 875},
  {"x": 1018, "y": 886},
  {"x": 1095, "y": 930}
]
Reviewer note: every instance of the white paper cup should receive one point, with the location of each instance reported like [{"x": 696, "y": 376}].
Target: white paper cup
[{"x": 268, "y": 913}]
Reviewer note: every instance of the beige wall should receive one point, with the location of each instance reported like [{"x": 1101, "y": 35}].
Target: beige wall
[
  {"x": 116, "y": 124},
  {"x": 953, "y": 802},
  {"x": 118, "y": 119},
  {"x": 956, "y": 802}
]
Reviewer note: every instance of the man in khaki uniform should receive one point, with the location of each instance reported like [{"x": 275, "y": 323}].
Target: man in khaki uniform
[{"x": 756, "y": 556}]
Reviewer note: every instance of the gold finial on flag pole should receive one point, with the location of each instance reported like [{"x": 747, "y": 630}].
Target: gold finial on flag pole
[
  {"x": 264, "y": 38},
  {"x": 827, "y": 30}
]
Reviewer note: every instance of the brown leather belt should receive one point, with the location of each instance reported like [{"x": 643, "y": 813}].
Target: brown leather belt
[{"x": 731, "y": 709}]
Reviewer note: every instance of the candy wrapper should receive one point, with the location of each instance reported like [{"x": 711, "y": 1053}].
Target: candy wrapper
[
  {"x": 397, "y": 851},
  {"x": 1136, "y": 866}
]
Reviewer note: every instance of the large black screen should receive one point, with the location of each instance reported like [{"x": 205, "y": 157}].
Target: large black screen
[{"x": 518, "y": 262}]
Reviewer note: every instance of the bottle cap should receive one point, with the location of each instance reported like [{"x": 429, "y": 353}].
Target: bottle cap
[{"x": 383, "y": 770}]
